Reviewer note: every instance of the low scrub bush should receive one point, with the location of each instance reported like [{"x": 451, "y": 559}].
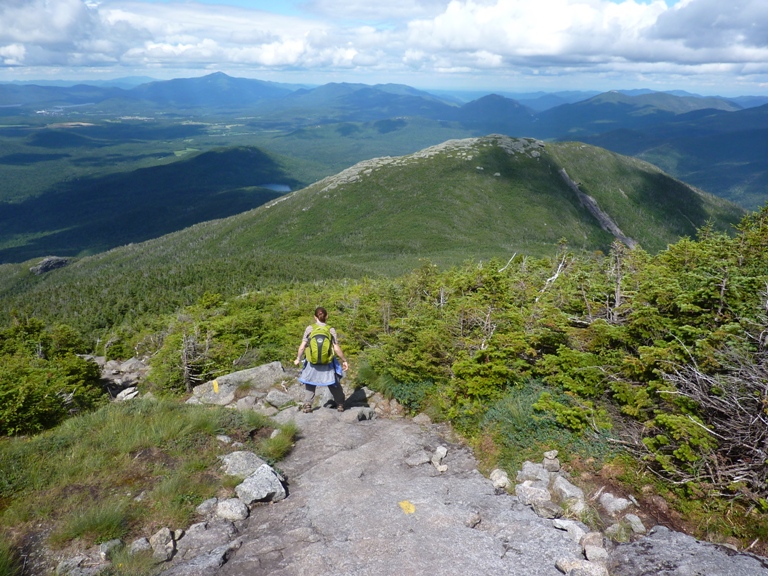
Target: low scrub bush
[
  {"x": 525, "y": 429},
  {"x": 42, "y": 380}
]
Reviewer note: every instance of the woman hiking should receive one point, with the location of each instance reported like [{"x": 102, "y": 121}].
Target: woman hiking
[{"x": 321, "y": 367}]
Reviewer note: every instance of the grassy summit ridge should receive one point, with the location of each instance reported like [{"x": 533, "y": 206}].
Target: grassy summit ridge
[{"x": 482, "y": 197}]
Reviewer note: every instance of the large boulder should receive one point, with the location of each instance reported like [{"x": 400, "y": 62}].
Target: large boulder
[
  {"x": 263, "y": 485},
  {"x": 241, "y": 463},
  {"x": 670, "y": 553},
  {"x": 259, "y": 379}
]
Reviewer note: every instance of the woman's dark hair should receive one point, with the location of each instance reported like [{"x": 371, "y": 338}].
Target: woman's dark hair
[{"x": 321, "y": 314}]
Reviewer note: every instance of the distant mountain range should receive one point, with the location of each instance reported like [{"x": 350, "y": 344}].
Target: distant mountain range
[
  {"x": 661, "y": 121},
  {"x": 221, "y": 90},
  {"x": 716, "y": 150},
  {"x": 713, "y": 143}
]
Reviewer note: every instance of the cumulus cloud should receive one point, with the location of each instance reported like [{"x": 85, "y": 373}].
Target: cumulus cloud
[
  {"x": 12, "y": 55},
  {"x": 707, "y": 24},
  {"x": 393, "y": 10},
  {"x": 508, "y": 37}
]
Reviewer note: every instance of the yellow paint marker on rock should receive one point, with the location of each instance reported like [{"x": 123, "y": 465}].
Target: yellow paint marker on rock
[
  {"x": 215, "y": 386},
  {"x": 407, "y": 507}
]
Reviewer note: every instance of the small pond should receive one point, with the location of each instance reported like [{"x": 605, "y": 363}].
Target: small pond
[{"x": 276, "y": 187}]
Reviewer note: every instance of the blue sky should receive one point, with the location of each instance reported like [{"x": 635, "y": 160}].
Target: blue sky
[{"x": 703, "y": 46}]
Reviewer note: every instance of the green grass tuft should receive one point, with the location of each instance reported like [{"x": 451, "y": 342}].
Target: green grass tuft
[
  {"x": 10, "y": 564},
  {"x": 100, "y": 522},
  {"x": 276, "y": 448}
]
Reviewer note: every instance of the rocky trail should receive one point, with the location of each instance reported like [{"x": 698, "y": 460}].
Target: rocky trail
[
  {"x": 366, "y": 499},
  {"x": 368, "y": 492}
]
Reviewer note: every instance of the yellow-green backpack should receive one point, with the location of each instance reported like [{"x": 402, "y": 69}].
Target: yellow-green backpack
[{"x": 320, "y": 348}]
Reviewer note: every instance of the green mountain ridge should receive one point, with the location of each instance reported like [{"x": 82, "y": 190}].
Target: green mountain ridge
[
  {"x": 470, "y": 199},
  {"x": 485, "y": 197}
]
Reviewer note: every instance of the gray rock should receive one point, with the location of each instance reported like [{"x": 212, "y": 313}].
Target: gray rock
[
  {"x": 344, "y": 514},
  {"x": 667, "y": 553},
  {"x": 589, "y": 570},
  {"x": 612, "y": 504},
  {"x": 133, "y": 365},
  {"x": 534, "y": 473},
  {"x": 78, "y": 566},
  {"x": 422, "y": 419},
  {"x": 579, "y": 567},
  {"x": 224, "y": 439},
  {"x": 266, "y": 409},
  {"x": 354, "y": 415},
  {"x": 112, "y": 366},
  {"x": 571, "y": 497},
  {"x": 635, "y": 523},
  {"x": 204, "y": 564},
  {"x": 140, "y": 545},
  {"x": 592, "y": 539},
  {"x": 127, "y": 394},
  {"x": 547, "y": 509},
  {"x": 473, "y": 520},
  {"x": 232, "y": 509},
  {"x": 437, "y": 458},
  {"x": 500, "y": 479},
  {"x": 262, "y": 485},
  {"x": 106, "y": 549},
  {"x": 207, "y": 507},
  {"x": 565, "y": 491},
  {"x": 49, "y": 263},
  {"x": 163, "y": 545},
  {"x": 576, "y": 530},
  {"x": 528, "y": 493},
  {"x": 551, "y": 464},
  {"x": 596, "y": 554},
  {"x": 261, "y": 378},
  {"x": 240, "y": 463},
  {"x": 204, "y": 537},
  {"x": 418, "y": 458},
  {"x": 278, "y": 399}
]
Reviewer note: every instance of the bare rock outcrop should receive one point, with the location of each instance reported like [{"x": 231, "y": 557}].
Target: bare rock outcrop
[{"x": 49, "y": 263}]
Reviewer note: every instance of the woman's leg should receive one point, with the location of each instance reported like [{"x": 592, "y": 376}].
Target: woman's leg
[
  {"x": 338, "y": 394},
  {"x": 309, "y": 396}
]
